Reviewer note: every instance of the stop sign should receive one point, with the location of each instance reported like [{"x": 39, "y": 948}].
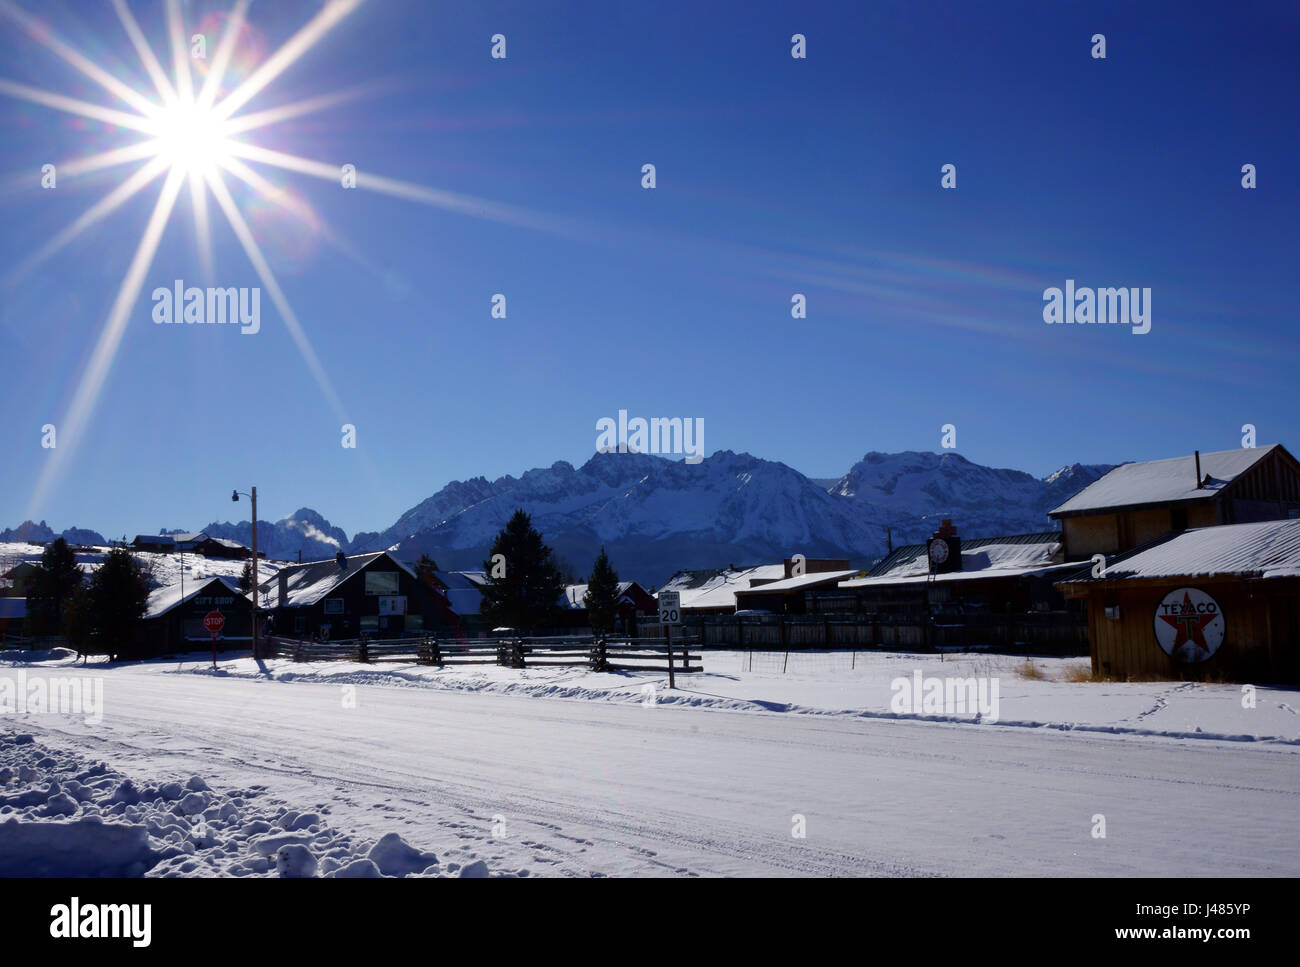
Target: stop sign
[{"x": 214, "y": 621}]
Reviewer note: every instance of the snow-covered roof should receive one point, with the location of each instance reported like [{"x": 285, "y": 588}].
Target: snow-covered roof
[
  {"x": 977, "y": 554},
  {"x": 164, "y": 599},
  {"x": 574, "y": 593},
  {"x": 1163, "y": 481},
  {"x": 983, "y": 574},
  {"x": 305, "y": 584},
  {"x": 1266, "y": 549},
  {"x": 717, "y": 589},
  {"x": 464, "y": 594},
  {"x": 802, "y": 581}
]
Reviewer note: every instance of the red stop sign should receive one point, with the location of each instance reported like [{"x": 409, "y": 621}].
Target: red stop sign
[{"x": 214, "y": 621}]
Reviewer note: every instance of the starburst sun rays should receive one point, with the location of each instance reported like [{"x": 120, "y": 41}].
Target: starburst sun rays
[{"x": 195, "y": 138}]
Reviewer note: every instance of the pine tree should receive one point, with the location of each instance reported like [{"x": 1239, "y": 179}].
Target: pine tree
[
  {"x": 118, "y": 594},
  {"x": 527, "y": 595},
  {"x": 425, "y": 567},
  {"x": 246, "y": 577},
  {"x": 57, "y": 576},
  {"x": 602, "y": 595}
]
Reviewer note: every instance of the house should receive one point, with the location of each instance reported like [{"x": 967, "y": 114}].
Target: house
[
  {"x": 365, "y": 594},
  {"x": 988, "y": 575},
  {"x": 633, "y": 600},
  {"x": 156, "y": 543},
  {"x": 1138, "y": 502},
  {"x": 221, "y": 547},
  {"x": 173, "y": 618},
  {"x": 789, "y": 595},
  {"x": 713, "y": 590},
  {"x": 1218, "y": 603},
  {"x": 15, "y": 581},
  {"x": 188, "y": 543}
]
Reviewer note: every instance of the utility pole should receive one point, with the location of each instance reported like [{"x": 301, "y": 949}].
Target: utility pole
[{"x": 234, "y": 495}]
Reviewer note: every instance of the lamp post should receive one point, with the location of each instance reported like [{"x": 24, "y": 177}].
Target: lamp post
[{"x": 234, "y": 495}]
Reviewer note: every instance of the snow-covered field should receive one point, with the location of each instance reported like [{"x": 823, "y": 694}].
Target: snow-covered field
[{"x": 279, "y": 767}]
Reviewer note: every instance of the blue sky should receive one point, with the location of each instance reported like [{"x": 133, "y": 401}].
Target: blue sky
[{"x": 775, "y": 176}]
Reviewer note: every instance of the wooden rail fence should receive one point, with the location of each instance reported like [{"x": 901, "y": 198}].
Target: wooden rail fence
[{"x": 597, "y": 653}]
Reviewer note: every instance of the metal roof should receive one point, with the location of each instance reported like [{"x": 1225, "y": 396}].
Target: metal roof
[
  {"x": 1264, "y": 549},
  {"x": 1164, "y": 481}
]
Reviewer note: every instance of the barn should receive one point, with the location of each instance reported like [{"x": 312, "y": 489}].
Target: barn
[{"x": 1213, "y": 603}]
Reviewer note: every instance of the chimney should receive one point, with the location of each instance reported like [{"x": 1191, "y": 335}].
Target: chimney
[
  {"x": 1198, "y": 469},
  {"x": 342, "y": 560}
]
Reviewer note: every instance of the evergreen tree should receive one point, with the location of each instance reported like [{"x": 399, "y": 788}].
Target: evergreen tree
[
  {"x": 602, "y": 595},
  {"x": 246, "y": 577},
  {"x": 118, "y": 593},
  {"x": 425, "y": 567},
  {"x": 79, "y": 621},
  {"x": 527, "y": 596},
  {"x": 51, "y": 587}
]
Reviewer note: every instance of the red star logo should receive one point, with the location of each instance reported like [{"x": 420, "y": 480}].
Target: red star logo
[{"x": 1189, "y": 626}]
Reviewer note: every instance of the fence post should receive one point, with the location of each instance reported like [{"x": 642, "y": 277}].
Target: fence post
[
  {"x": 599, "y": 656},
  {"x": 363, "y": 651},
  {"x": 517, "y": 653}
]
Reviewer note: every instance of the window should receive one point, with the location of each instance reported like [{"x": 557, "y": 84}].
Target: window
[
  {"x": 300, "y": 622},
  {"x": 381, "y": 582},
  {"x": 370, "y": 622},
  {"x": 333, "y": 605}
]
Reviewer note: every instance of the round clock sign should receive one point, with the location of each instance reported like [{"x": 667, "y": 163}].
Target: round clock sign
[
  {"x": 1189, "y": 625},
  {"x": 938, "y": 550}
]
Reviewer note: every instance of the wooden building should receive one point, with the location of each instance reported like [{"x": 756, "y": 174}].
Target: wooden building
[
  {"x": 1138, "y": 502},
  {"x": 987, "y": 575},
  {"x": 1215, "y": 603},
  {"x": 374, "y": 595},
  {"x": 712, "y": 591},
  {"x": 789, "y": 595},
  {"x": 633, "y": 601},
  {"x": 173, "y": 618}
]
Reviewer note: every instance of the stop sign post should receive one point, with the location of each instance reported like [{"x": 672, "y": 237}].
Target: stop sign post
[{"x": 214, "y": 621}]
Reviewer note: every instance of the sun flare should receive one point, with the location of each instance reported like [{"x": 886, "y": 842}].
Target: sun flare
[{"x": 192, "y": 138}]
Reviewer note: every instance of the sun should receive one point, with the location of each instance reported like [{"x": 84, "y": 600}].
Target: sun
[{"x": 193, "y": 139}]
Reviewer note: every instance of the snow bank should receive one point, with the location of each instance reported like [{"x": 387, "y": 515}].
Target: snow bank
[{"x": 60, "y": 816}]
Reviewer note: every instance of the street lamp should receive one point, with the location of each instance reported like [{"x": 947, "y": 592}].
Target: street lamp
[{"x": 234, "y": 495}]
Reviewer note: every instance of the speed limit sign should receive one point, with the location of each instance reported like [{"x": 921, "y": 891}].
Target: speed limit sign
[{"x": 670, "y": 607}]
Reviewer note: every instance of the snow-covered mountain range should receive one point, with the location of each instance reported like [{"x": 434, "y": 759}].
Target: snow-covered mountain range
[{"x": 655, "y": 516}]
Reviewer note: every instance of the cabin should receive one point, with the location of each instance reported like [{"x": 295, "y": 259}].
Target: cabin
[
  {"x": 1215, "y": 603},
  {"x": 633, "y": 602},
  {"x": 154, "y": 543},
  {"x": 372, "y": 595},
  {"x": 1138, "y": 502},
  {"x": 712, "y": 591},
  {"x": 790, "y": 595},
  {"x": 173, "y": 618},
  {"x": 15, "y": 581}
]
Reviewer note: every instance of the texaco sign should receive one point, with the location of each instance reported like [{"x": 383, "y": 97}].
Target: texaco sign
[{"x": 1189, "y": 625}]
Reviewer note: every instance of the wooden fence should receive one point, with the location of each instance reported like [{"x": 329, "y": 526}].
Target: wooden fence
[
  {"x": 600, "y": 654},
  {"x": 1058, "y": 633}
]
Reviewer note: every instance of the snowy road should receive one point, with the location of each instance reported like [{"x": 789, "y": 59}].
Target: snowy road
[{"x": 592, "y": 788}]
